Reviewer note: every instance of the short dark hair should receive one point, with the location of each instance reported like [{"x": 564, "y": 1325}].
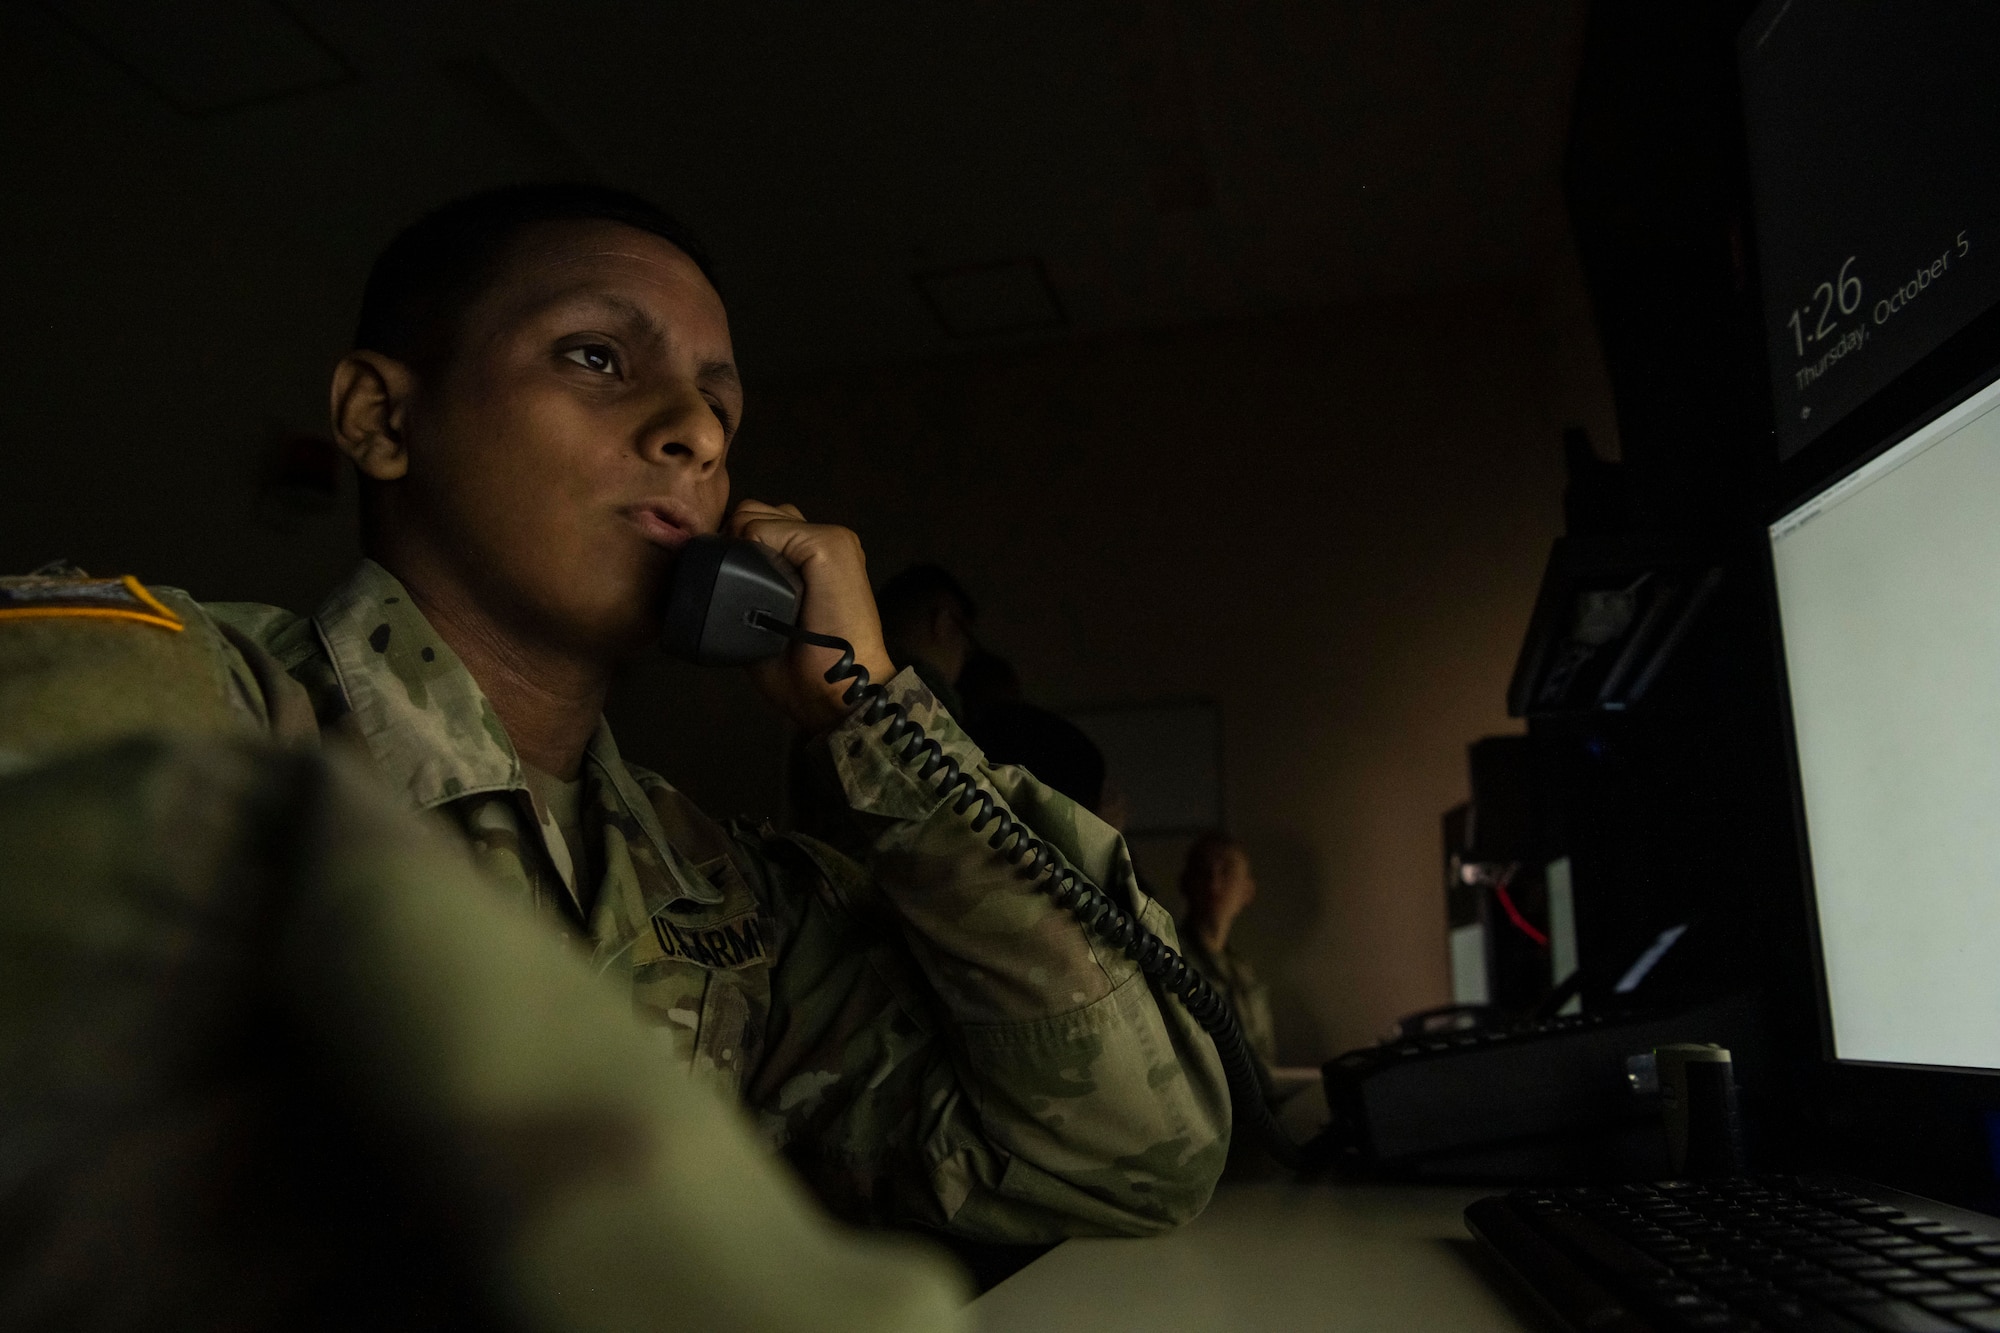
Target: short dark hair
[
  {"x": 440, "y": 264},
  {"x": 918, "y": 590}
]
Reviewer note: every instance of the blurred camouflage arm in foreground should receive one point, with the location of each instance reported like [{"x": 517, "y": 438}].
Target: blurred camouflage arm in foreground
[
  {"x": 271, "y": 1056},
  {"x": 1025, "y": 1078}
]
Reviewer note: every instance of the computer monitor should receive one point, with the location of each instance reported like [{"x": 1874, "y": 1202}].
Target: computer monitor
[
  {"x": 1888, "y": 592},
  {"x": 1870, "y": 127}
]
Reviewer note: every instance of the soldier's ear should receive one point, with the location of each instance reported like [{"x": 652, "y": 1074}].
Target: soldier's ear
[{"x": 371, "y": 403}]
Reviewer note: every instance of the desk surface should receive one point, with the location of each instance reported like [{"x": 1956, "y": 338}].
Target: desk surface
[{"x": 1269, "y": 1254}]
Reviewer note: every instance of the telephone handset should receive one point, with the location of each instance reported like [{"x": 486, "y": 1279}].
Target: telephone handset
[
  {"x": 732, "y": 602},
  {"x": 722, "y": 587}
]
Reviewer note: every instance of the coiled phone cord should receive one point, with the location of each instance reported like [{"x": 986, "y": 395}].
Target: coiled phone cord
[{"x": 1037, "y": 861}]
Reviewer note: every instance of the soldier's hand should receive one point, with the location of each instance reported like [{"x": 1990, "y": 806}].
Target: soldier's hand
[{"x": 838, "y": 601}]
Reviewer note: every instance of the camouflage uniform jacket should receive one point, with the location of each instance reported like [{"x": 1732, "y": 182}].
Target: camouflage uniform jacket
[{"x": 926, "y": 1036}]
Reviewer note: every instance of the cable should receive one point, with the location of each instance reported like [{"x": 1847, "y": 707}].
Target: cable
[
  {"x": 1100, "y": 915},
  {"x": 1521, "y": 923}
]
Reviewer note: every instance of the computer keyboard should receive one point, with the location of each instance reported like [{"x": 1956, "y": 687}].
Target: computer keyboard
[{"x": 1804, "y": 1254}]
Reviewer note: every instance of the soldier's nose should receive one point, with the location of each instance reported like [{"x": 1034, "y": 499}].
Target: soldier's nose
[{"x": 686, "y": 429}]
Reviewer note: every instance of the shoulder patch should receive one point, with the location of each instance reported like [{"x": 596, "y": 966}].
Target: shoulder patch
[{"x": 38, "y": 596}]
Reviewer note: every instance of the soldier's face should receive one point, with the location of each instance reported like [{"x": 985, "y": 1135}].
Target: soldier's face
[
  {"x": 1228, "y": 888},
  {"x": 580, "y": 433}
]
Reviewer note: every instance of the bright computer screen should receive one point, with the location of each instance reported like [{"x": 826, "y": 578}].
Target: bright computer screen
[{"x": 1889, "y": 604}]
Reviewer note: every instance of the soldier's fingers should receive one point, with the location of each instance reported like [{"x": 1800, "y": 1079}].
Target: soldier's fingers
[
  {"x": 750, "y": 510},
  {"x": 743, "y": 515},
  {"x": 804, "y": 543}
]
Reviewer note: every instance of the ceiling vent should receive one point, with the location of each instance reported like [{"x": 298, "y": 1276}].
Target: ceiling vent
[
  {"x": 1002, "y": 296},
  {"x": 205, "y": 57}
]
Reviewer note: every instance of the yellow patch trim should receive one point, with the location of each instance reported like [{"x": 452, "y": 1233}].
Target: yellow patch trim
[{"x": 159, "y": 615}]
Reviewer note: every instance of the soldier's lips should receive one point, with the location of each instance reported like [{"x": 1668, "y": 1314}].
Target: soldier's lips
[{"x": 662, "y": 524}]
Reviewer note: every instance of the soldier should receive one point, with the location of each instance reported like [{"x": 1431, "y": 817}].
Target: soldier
[
  {"x": 1216, "y": 885},
  {"x": 541, "y": 402},
  {"x": 927, "y": 620}
]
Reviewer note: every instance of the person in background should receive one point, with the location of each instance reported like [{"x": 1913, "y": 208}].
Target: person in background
[
  {"x": 987, "y": 680},
  {"x": 927, "y": 619},
  {"x": 1216, "y": 885},
  {"x": 1047, "y": 744}
]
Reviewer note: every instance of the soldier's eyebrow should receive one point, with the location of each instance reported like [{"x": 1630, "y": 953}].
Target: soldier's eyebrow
[
  {"x": 629, "y": 312},
  {"x": 650, "y": 331}
]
